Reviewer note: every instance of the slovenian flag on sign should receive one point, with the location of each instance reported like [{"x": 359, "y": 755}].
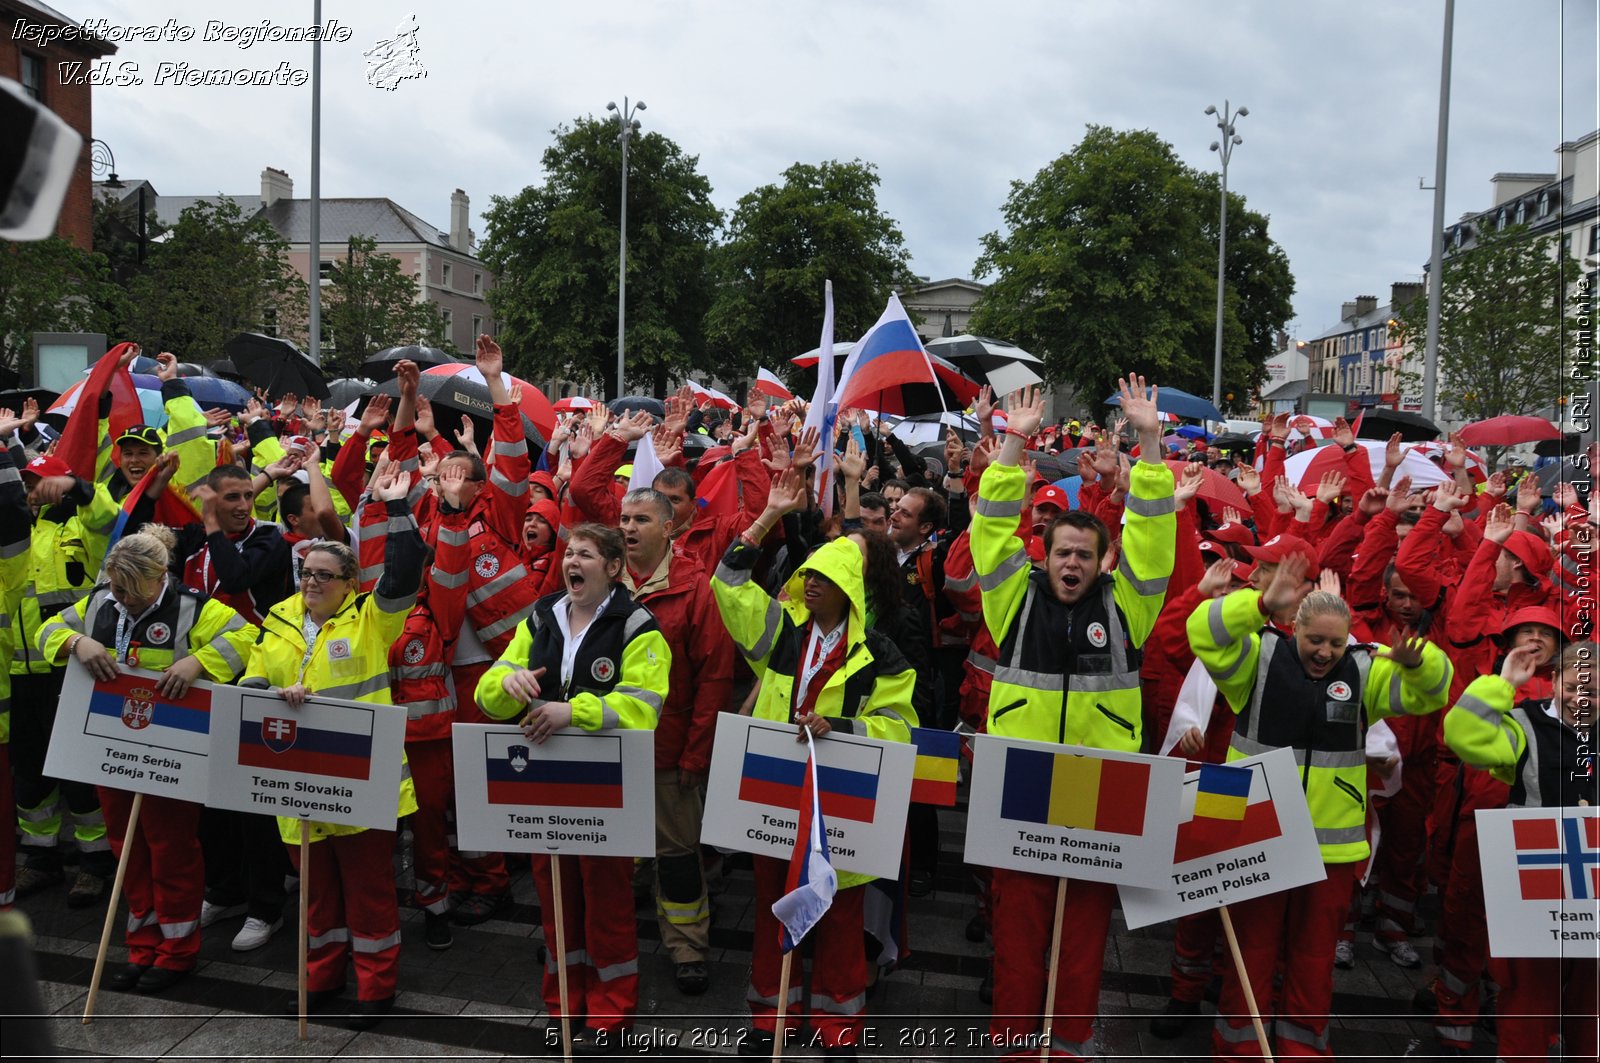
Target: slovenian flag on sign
[
  {"x": 812, "y": 882},
  {"x": 1232, "y": 807},
  {"x": 129, "y": 708},
  {"x": 775, "y": 774},
  {"x": 568, "y": 771},
  {"x": 275, "y": 737},
  {"x": 1075, "y": 790}
]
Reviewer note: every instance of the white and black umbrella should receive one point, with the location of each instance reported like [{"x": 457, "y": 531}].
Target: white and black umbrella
[{"x": 1005, "y": 367}]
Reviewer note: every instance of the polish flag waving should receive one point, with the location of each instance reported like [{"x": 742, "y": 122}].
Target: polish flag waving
[{"x": 768, "y": 384}]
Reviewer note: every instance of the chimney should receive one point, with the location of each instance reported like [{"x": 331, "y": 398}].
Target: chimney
[
  {"x": 460, "y": 235},
  {"x": 275, "y": 185},
  {"x": 1402, "y": 293},
  {"x": 1366, "y": 304},
  {"x": 1347, "y": 311}
]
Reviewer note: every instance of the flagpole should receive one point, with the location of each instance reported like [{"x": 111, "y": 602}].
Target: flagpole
[
  {"x": 1244, "y": 980},
  {"x": 1055, "y": 963},
  {"x": 561, "y": 954},
  {"x": 783, "y": 999},
  {"x": 111, "y": 909},
  {"x": 305, "y": 910}
]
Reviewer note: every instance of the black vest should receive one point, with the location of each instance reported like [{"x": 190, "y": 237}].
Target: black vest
[
  {"x": 1557, "y": 767},
  {"x": 599, "y": 661}
]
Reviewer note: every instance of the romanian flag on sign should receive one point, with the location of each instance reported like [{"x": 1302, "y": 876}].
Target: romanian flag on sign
[
  {"x": 938, "y": 756},
  {"x": 1075, "y": 790}
]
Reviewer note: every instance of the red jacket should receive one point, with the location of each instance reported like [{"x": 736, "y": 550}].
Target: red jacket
[{"x": 701, "y": 681}]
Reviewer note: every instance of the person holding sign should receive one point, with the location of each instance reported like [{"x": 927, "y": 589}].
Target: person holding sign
[
  {"x": 593, "y": 658},
  {"x": 1540, "y": 748},
  {"x": 1316, "y": 694},
  {"x": 141, "y": 617},
  {"x": 820, "y": 667},
  {"x": 332, "y": 639},
  {"x": 1068, "y": 672}
]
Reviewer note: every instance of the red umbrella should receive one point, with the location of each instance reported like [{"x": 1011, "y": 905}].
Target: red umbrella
[
  {"x": 573, "y": 404},
  {"x": 1215, "y": 488},
  {"x": 535, "y": 406},
  {"x": 1508, "y": 430}
]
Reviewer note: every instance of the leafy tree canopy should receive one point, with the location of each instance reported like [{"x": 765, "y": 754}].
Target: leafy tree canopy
[
  {"x": 369, "y": 304},
  {"x": 50, "y": 286}
]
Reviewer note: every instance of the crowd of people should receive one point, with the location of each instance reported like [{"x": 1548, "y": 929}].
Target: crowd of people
[{"x": 388, "y": 560}]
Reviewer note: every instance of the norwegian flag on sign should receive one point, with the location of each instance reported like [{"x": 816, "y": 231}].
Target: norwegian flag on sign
[{"x": 1558, "y": 859}]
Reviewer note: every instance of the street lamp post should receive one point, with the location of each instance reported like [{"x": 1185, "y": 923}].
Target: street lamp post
[
  {"x": 627, "y": 126},
  {"x": 1224, "y": 147}
]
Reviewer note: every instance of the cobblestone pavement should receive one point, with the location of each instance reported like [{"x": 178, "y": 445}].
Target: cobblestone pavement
[{"x": 476, "y": 999}]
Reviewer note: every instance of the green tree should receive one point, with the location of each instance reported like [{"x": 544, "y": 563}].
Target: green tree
[
  {"x": 554, "y": 249},
  {"x": 50, "y": 286},
  {"x": 216, "y": 274},
  {"x": 1507, "y": 311},
  {"x": 369, "y": 304},
  {"x": 1108, "y": 266},
  {"x": 115, "y": 228},
  {"x": 784, "y": 240}
]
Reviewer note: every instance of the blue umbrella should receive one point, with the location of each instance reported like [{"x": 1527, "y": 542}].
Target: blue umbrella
[
  {"x": 1070, "y": 485},
  {"x": 1180, "y": 404},
  {"x": 213, "y": 391},
  {"x": 1193, "y": 431}
]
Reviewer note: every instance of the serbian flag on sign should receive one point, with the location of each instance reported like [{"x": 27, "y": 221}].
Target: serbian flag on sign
[
  {"x": 1232, "y": 807},
  {"x": 812, "y": 882},
  {"x": 274, "y": 736},
  {"x": 80, "y": 437},
  {"x": 775, "y": 774},
  {"x": 938, "y": 766},
  {"x": 1558, "y": 859},
  {"x": 129, "y": 708},
  {"x": 568, "y": 771},
  {"x": 1075, "y": 790},
  {"x": 768, "y": 384}
]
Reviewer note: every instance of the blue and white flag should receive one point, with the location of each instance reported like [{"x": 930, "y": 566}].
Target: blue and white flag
[{"x": 811, "y": 882}]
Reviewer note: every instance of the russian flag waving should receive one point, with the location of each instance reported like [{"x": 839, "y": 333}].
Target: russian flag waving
[
  {"x": 888, "y": 356},
  {"x": 812, "y": 881}
]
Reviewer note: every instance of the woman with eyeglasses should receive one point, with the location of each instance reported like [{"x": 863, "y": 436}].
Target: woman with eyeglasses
[
  {"x": 138, "y": 616},
  {"x": 332, "y": 639}
]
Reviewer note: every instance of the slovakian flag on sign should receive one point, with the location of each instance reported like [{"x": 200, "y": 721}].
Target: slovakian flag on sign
[
  {"x": 1232, "y": 807},
  {"x": 567, "y": 771},
  {"x": 1075, "y": 790},
  {"x": 938, "y": 766},
  {"x": 275, "y": 737},
  {"x": 1558, "y": 858},
  {"x": 775, "y": 773},
  {"x": 811, "y": 882},
  {"x": 129, "y": 708}
]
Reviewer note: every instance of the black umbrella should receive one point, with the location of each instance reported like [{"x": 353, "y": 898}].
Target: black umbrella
[
  {"x": 1004, "y": 366},
  {"x": 1380, "y": 423},
  {"x": 276, "y": 365},
  {"x": 463, "y": 395},
  {"x": 14, "y": 398},
  {"x": 628, "y": 403},
  {"x": 1571, "y": 443},
  {"x": 1233, "y": 441},
  {"x": 344, "y": 391},
  {"x": 1561, "y": 472},
  {"x": 381, "y": 365},
  {"x": 225, "y": 368}
]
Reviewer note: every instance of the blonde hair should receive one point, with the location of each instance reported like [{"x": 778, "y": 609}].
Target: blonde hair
[
  {"x": 1578, "y": 654},
  {"x": 142, "y": 557},
  {"x": 349, "y": 566},
  {"x": 1321, "y": 603}
]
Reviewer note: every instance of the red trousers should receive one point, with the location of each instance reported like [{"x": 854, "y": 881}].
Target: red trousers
[
  {"x": 1024, "y": 916},
  {"x": 1545, "y": 1002},
  {"x": 352, "y": 909},
  {"x": 1194, "y": 951},
  {"x": 8, "y": 834},
  {"x": 1294, "y": 931},
  {"x": 1463, "y": 940},
  {"x": 602, "y": 939},
  {"x": 433, "y": 775},
  {"x": 165, "y": 880},
  {"x": 838, "y": 1003},
  {"x": 1400, "y": 873},
  {"x": 474, "y": 872}
]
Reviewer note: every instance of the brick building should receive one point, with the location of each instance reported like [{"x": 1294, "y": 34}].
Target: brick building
[{"x": 38, "y": 68}]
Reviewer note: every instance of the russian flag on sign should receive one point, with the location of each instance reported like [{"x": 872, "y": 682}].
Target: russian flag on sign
[
  {"x": 275, "y": 737},
  {"x": 567, "y": 771},
  {"x": 128, "y": 708},
  {"x": 775, "y": 769}
]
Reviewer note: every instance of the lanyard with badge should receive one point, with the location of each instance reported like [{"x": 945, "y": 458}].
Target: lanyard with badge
[
  {"x": 818, "y": 649},
  {"x": 126, "y": 623}
]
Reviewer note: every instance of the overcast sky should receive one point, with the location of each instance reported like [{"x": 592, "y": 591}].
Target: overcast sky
[{"x": 952, "y": 101}]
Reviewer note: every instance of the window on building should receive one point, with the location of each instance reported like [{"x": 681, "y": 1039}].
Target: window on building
[
  {"x": 449, "y": 323},
  {"x": 269, "y": 321},
  {"x": 1594, "y": 240},
  {"x": 477, "y": 284},
  {"x": 1566, "y": 245},
  {"x": 444, "y": 275},
  {"x": 325, "y": 270},
  {"x": 1544, "y": 205},
  {"x": 477, "y": 327},
  {"x": 1500, "y": 219},
  {"x": 33, "y": 75},
  {"x": 1522, "y": 211}
]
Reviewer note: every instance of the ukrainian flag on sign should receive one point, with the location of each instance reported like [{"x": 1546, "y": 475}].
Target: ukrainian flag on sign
[{"x": 1224, "y": 792}]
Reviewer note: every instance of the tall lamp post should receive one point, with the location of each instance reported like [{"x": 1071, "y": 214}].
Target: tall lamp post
[
  {"x": 627, "y": 126},
  {"x": 1224, "y": 147}
]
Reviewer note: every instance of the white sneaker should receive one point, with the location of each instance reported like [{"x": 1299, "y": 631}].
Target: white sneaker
[
  {"x": 254, "y": 934},
  {"x": 216, "y": 913},
  {"x": 1401, "y": 952},
  {"x": 1344, "y": 955}
]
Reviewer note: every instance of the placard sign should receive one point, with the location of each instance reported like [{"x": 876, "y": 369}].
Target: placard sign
[
  {"x": 1243, "y": 831},
  {"x": 1071, "y": 811},
  {"x": 329, "y": 761},
  {"x": 1541, "y": 881},
  {"x": 587, "y": 793},
  {"x": 757, "y": 769},
  {"x": 125, "y": 735}
]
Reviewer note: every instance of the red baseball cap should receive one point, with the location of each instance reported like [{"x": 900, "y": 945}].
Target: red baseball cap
[
  {"x": 47, "y": 465},
  {"x": 1532, "y": 551},
  {"x": 1211, "y": 551},
  {"x": 1051, "y": 495},
  {"x": 1232, "y": 532},
  {"x": 1243, "y": 570},
  {"x": 1279, "y": 547}
]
